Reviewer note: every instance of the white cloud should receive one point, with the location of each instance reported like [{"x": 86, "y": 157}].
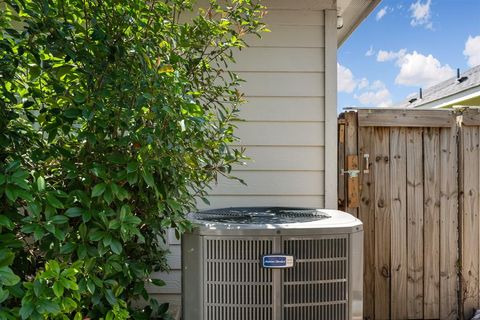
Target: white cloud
[
  {"x": 421, "y": 14},
  {"x": 383, "y": 55},
  {"x": 472, "y": 50},
  {"x": 345, "y": 80},
  {"x": 377, "y": 85},
  {"x": 363, "y": 83},
  {"x": 370, "y": 52},
  {"x": 377, "y": 96},
  {"x": 369, "y": 94},
  {"x": 381, "y": 13},
  {"x": 419, "y": 70}
]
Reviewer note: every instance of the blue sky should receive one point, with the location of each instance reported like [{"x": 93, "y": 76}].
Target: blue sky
[{"x": 405, "y": 45}]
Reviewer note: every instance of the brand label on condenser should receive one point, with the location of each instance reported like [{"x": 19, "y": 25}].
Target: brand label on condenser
[{"x": 277, "y": 261}]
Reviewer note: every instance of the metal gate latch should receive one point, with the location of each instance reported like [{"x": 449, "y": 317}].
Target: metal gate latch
[{"x": 352, "y": 173}]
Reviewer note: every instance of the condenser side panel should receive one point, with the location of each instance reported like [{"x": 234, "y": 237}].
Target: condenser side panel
[
  {"x": 356, "y": 276},
  {"x": 192, "y": 277}
]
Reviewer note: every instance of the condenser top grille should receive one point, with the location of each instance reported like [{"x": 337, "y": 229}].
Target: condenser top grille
[{"x": 260, "y": 215}]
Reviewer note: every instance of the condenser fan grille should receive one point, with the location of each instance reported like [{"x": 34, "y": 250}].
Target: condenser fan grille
[{"x": 261, "y": 215}]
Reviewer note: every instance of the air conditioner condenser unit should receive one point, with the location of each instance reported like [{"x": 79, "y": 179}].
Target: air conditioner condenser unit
[{"x": 272, "y": 263}]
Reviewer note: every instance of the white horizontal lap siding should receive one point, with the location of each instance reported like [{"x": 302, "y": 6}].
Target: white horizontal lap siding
[
  {"x": 220, "y": 201},
  {"x": 279, "y": 158},
  {"x": 285, "y": 118},
  {"x": 284, "y": 127}
]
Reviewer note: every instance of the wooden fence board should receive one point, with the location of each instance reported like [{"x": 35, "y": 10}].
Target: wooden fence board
[
  {"x": 382, "y": 223},
  {"x": 448, "y": 223},
  {"x": 420, "y": 205},
  {"x": 471, "y": 117},
  {"x": 415, "y": 223},
  {"x": 352, "y": 183},
  {"x": 431, "y": 161},
  {"x": 341, "y": 164},
  {"x": 367, "y": 215},
  {"x": 351, "y": 148},
  {"x": 470, "y": 228},
  {"x": 405, "y": 118},
  {"x": 398, "y": 187}
]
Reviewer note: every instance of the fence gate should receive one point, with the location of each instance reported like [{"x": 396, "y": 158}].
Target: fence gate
[{"x": 413, "y": 178}]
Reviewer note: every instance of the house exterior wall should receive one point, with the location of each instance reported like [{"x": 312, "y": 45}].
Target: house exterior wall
[{"x": 290, "y": 118}]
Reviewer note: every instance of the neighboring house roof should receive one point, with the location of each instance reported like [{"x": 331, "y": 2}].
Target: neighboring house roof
[
  {"x": 352, "y": 12},
  {"x": 462, "y": 90}
]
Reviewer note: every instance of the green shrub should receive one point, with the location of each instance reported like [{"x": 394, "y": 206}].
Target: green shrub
[{"x": 115, "y": 116}]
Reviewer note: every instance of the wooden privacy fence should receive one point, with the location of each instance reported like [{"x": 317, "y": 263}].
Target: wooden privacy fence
[{"x": 413, "y": 178}]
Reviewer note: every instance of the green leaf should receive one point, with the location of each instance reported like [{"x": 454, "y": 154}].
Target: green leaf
[
  {"x": 22, "y": 183},
  {"x": 132, "y": 178},
  {"x": 53, "y": 266},
  {"x": 148, "y": 178},
  {"x": 69, "y": 304},
  {"x": 79, "y": 98},
  {"x": 74, "y": 212},
  {"x": 3, "y": 295},
  {"x": 158, "y": 282},
  {"x": 67, "y": 248},
  {"x": 124, "y": 212},
  {"x": 40, "y": 183},
  {"x": 38, "y": 232},
  {"x": 108, "y": 195},
  {"x": 99, "y": 189},
  {"x": 58, "y": 289},
  {"x": 34, "y": 209},
  {"x": 86, "y": 216},
  {"x": 91, "y": 286},
  {"x": 11, "y": 193},
  {"x": 122, "y": 194},
  {"x": 26, "y": 310},
  {"x": 20, "y": 174},
  {"x": 163, "y": 308},
  {"x": 82, "y": 229},
  {"x": 69, "y": 284},
  {"x": 6, "y": 222},
  {"x": 14, "y": 165},
  {"x": 50, "y": 227},
  {"x": 118, "y": 158},
  {"x": 60, "y": 234},
  {"x": 25, "y": 195},
  {"x": 38, "y": 288},
  {"x": 132, "y": 167},
  {"x": 78, "y": 316},
  {"x": 96, "y": 235},
  {"x": 82, "y": 251},
  {"x": 110, "y": 297},
  {"x": 62, "y": 70},
  {"x": 47, "y": 306},
  {"x": 114, "y": 224},
  {"x": 53, "y": 201},
  {"x": 6, "y": 257},
  {"x": 7, "y": 277},
  {"x": 107, "y": 240},
  {"x": 116, "y": 246},
  {"x": 59, "y": 219},
  {"x": 72, "y": 113},
  {"x": 2, "y": 179}
]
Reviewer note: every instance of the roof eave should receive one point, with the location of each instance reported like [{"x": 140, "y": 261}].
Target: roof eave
[
  {"x": 353, "y": 14},
  {"x": 453, "y": 99}
]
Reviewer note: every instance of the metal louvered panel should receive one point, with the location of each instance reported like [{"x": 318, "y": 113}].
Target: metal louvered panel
[
  {"x": 317, "y": 287},
  {"x": 236, "y": 287}
]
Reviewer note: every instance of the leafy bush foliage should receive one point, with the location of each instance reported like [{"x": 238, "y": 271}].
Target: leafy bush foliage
[{"x": 114, "y": 118}]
